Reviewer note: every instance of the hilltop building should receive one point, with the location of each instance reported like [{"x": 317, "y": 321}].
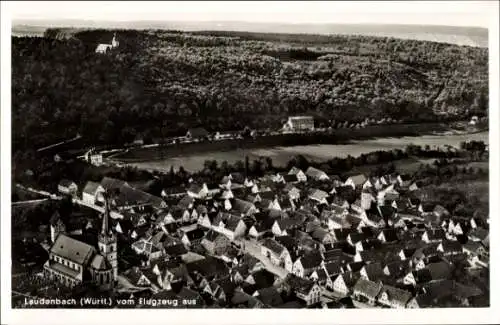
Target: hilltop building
[{"x": 104, "y": 48}]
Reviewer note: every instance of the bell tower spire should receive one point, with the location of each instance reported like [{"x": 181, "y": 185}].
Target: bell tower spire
[{"x": 107, "y": 241}]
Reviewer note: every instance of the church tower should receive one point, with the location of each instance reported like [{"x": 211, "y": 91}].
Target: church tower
[
  {"x": 114, "y": 42},
  {"x": 107, "y": 241},
  {"x": 57, "y": 226}
]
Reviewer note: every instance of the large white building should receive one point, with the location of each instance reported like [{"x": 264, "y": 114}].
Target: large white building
[
  {"x": 299, "y": 123},
  {"x": 104, "y": 48}
]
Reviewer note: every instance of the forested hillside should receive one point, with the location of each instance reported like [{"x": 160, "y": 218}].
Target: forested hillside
[{"x": 159, "y": 83}]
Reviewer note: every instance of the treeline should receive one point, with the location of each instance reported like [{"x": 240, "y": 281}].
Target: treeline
[{"x": 158, "y": 84}]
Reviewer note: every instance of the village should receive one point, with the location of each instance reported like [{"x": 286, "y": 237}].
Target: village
[{"x": 295, "y": 239}]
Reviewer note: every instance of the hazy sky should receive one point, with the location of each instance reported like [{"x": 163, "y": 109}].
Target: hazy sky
[{"x": 455, "y": 13}]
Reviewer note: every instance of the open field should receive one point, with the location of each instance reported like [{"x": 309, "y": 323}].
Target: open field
[{"x": 320, "y": 152}]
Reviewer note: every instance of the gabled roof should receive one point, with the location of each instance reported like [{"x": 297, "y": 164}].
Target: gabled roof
[
  {"x": 358, "y": 179},
  {"x": 288, "y": 178},
  {"x": 209, "y": 266},
  {"x": 91, "y": 187},
  {"x": 269, "y": 296},
  {"x": 110, "y": 183},
  {"x": 100, "y": 263},
  {"x": 242, "y": 206},
  {"x": 195, "y": 187},
  {"x": 195, "y": 234},
  {"x": 273, "y": 246},
  {"x": 435, "y": 234},
  {"x": 72, "y": 249},
  {"x": 390, "y": 234},
  {"x": 294, "y": 170},
  {"x": 299, "y": 285},
  {"x": 66, "y": 182},
  {"x": 439, "y": 270},
  {"x": 368, "y": 288},
  {"x": 333, "y": 268},
  {"x": 317, "y": 194},
  {"x": 311, "y": 260},
  {"x": 263, "y": 278},
  {"x": 451, "y": 246},
  {"x": 374, "y": 270},
  {"x": 315, "y": 172},
  {"x": 397, "y": 295},
  {"x": 185, "y": 202},
  {"x": 398, "y": 269}
]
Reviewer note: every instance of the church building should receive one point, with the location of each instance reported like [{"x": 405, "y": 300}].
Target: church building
[
  {"x": 72, "y": 262},
  {"x": 104, "y": 48}
]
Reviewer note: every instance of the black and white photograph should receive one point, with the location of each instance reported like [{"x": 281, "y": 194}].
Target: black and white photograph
[{"x": 288, "y": 156}]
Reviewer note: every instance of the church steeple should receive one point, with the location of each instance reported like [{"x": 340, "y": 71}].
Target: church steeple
[
  {"x": 107, "y": 240},
  {"x": 105, "y": 217}
]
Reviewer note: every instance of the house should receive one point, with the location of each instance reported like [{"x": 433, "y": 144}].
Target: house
[
  {"x": 304, "y": 289},
  {"x": 292, "y": 191},
  {"x": 323, "y": 236},
  {"x": 90, "y": 192},
  {"x": 197, "y": 134},
  {"x": 197, "y": 191},
  {"x": 404, "y": 181},
  {"x": 269, "y": 296},
  {"x": 259, "y": 280},
  {"x": 426, "y": 209},
  {"x": 67, "y": 187},
  {"x": 472, "y": 248},
  {"x": 440, "y": 211},
  {"x": 244, "y": 208},
  {"x": 344, "y": 282},
  {"x": 93, "y": 157},
  {"x": 215, "y": 242},
  {"x": 478, "y": 234},
  {"x": 318, "y": 196},
  {"x": 242, "y": 299},
  {"x": 282, "y": 227},
  {"x": 299, "y": 123},
  {"x": 207, "y": 268},
  {"x": 397, "y": 269},
  {"x": 433, "y": 236},
  {"x": 388, "y": 235},
  {"x": 316, "y": 174},
  {"x": 355, "y": 181},
  {"x": 367, "y": 291},
  {"x": 277, "y": 253},
  {"x": 193, "y": 237},
  {"x": 234, "y": 227},
  {"x": 261, "y": 227},
  {"x": 393, "y": 297},
  {"x": 450, "y": 247},
  {"x": 372, "y": 271},
  {"x": 417, "y": 277},
  {"x": 307, "y": 263},
  {"x": 319, "y": 276},
  {"x": 301, "y": 176},
  {"x": 148, "y": 247}
]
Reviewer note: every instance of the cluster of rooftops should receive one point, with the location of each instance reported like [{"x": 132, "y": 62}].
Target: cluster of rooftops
[{"x": 294, "y": 238}]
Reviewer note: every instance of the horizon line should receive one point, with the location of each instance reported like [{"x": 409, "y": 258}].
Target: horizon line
[{"x": 46, "y": 19}]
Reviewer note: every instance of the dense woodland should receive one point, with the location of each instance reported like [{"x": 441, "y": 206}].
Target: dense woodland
[{"x": 159, "y": 83}]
